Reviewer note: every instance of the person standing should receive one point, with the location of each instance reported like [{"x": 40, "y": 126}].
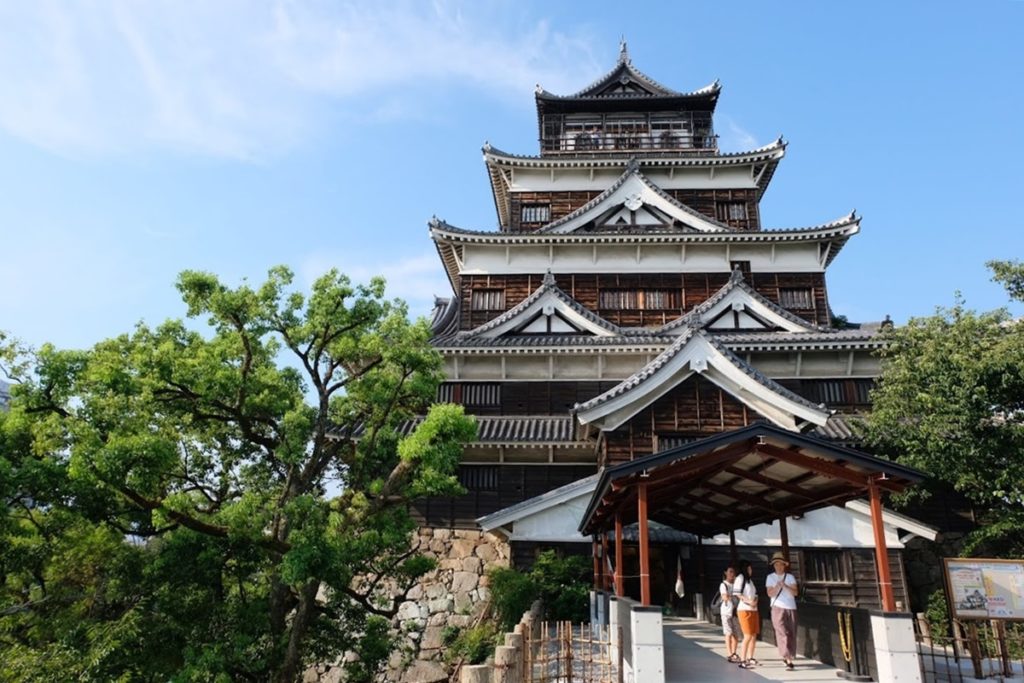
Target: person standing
[
  {"x": 746, "y": 611},
  {"x": 782, "y": 588},
  {"x": 730, "y": 624}
]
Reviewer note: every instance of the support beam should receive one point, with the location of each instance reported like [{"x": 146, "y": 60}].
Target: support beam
[
  {"x": 733, "y": 559},
  {"x": 607, "y": 580},
  {"x": 784, "y": 532},
  {"x": 620, "y": 584},
  {"x": 645, "y": 548},
  {"x": 597, "y": 565},
  {"x": 881, "y": 552}
]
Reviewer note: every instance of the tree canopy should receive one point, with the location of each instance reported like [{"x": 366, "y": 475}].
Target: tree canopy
[
  {"x": 950, "y": 401},
  {"x": 220, "y": 503}
]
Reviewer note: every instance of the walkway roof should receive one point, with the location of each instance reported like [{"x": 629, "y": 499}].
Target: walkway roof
[{"x": 740, "y": 478}]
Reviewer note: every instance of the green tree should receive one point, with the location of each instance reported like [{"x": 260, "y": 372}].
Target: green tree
[
  {"x": 230, "y": 504},
  {"x": 950, "y": 401}
]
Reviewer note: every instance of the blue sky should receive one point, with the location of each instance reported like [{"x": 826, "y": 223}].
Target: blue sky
[{"x": 140, "y": 139}]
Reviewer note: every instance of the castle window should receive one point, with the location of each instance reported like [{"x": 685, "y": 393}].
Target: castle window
[
  {"x": 470, "y": 394},
  {"x": 825, "y": 566},
  {"x": 536, "y": 213},
  {"x": 488, "y": 300},
  {"x": 742, "y": 266},
  {"x": 479, "y": 477},
  {"x": 638, "y": 299},
  {"x": 732, "y": 211},
  {"x": 802, "y": 298}
]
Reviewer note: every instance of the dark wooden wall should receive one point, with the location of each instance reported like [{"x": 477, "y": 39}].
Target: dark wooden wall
[
  {"x": 862, "y": 591},
  {"x": 704, "y": 201},
  {"x": 514, "y": 484},
  {"x": 691, "y": 290},
  {"x": 696, "y": 408}
]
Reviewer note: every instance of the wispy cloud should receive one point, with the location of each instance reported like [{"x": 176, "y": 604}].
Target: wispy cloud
[
  {"x": 246, "y": 80},
  {"x": 415, "y": 279},
  {"x": 733, "y": 137}
]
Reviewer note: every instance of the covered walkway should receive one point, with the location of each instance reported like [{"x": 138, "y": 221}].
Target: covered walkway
[{"x": 695, "y": 653}]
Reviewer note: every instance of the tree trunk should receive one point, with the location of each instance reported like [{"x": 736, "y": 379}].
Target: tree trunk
[{"x": 304, "y": 613}]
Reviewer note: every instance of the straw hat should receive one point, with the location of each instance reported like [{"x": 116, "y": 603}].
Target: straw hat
[{"x": 779, "y": 557}]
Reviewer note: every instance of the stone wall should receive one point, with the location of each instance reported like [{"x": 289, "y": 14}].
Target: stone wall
[
  {"x": 453, "y": 595},
  {"x": 922, "y": 560}
]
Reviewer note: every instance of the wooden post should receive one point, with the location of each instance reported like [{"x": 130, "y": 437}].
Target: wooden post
[
  {"x": 784, "y": 532},
  {"x": 604, "y": 560},
  {"x": 620, "y": 585},
  {"x": 881, "y": 552},
  {"x": 645, "y": 549},
  {"x": 597, "y": 564},
  {"x": 733, "y": 559}
]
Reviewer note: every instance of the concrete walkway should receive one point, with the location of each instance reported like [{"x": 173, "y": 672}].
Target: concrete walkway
[{"x": 695, "y": 653}]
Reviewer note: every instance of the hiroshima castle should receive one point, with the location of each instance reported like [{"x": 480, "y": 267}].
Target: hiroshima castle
[{"x": 633, "y": 301}]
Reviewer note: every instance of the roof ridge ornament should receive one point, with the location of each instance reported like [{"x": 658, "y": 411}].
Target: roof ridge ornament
[
  {"x": 549, "y": 279},
  {"x": 737, "y": 275},
  {"x": 623, "y": 51}
]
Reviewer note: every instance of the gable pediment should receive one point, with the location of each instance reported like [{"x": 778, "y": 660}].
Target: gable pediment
[
  {"x": 738, "y": 307},
  {"x": 692, "y": 354},
  {"x": 634, "y": 202},
  {"x": 548, "y": 310}
]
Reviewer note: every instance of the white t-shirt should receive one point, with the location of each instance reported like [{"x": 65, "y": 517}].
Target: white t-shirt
[
  {"x": 746, "y": 588},
  {"x": 785, "y": 599},
  {"x": 727, "y": 603}
]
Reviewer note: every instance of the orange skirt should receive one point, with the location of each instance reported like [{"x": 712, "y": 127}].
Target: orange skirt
[{"x": 750, "y": 622}]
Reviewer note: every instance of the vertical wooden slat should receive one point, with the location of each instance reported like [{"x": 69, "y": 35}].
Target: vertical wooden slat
[{"x": 620, "y": 587}]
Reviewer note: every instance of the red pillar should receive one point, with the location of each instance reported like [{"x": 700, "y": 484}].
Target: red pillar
[
  {"x": 620, "y": 585},
  {"x": 881, "y": 552},
  {"x": 645, "y": 550},
  {"x": 597, "y": 565}
]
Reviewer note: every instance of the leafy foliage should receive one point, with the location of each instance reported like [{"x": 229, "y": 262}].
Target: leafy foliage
[
  {"x": 562, "y": 584},
  {"x": 227, "y": 505},
  {"x": 951, "y": 402},
  {"x": 474, "y": 644}
]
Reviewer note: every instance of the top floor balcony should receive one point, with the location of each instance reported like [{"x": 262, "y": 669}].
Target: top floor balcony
[{"x": 686, "y": 132}]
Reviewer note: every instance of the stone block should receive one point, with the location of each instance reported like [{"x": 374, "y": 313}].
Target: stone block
[
  {"x": 464, "y": 581},
  {"x": 472, "y": 564},
  {"x": 445, "y": 604},
  {"x": 463, "y": 602},
  {"x": 486, "y": 552},
  {"x": 434, "y": 590},
  {"x": 442, "y": 534},
  {"x": 421, "y": 671},
  {"x": 461, "y": 548},
  {"x": 433, "y": 638}
]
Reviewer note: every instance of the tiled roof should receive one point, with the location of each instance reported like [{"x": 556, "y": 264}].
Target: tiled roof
[
  {"x": 624, "y": 68},
  {"x": 769, "y": 151},
  {"x": 843, "y": 428},
  {"x": 837, "y": 228},
  {"x": 531, "y": 429},
  {"x": 445, "y": 316}
]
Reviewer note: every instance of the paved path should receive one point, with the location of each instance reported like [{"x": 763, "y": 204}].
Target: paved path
[{"x": 695, "y": 653}]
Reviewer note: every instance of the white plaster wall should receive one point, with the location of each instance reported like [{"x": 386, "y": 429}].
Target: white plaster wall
[
  {"x": 488, "y": 259},
  {"x": 576, "y": 180}
]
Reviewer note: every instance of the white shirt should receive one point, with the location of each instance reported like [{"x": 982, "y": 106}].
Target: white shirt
[
  {"x": 746, "y": 588},
  {"x": 727, "y": 604},
  {"x": 784, "y": 599}
]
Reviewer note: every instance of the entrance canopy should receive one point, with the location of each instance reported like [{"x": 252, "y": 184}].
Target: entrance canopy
[{"x": 740, "y": 478}]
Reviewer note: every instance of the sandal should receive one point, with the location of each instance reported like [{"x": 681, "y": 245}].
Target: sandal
[
  {"x": 746, "y": 665},
  {"x": 733, "y": 658},
  {"x": 790, "y": 665}
]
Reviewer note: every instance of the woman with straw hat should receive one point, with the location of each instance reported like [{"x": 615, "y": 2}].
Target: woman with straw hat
[{"x": 782, "y": 589}]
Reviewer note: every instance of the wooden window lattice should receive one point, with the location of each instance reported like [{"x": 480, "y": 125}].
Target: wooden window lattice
[
  {"x": 488, "y": 300},
  {"x": 801, "y": 299}
]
